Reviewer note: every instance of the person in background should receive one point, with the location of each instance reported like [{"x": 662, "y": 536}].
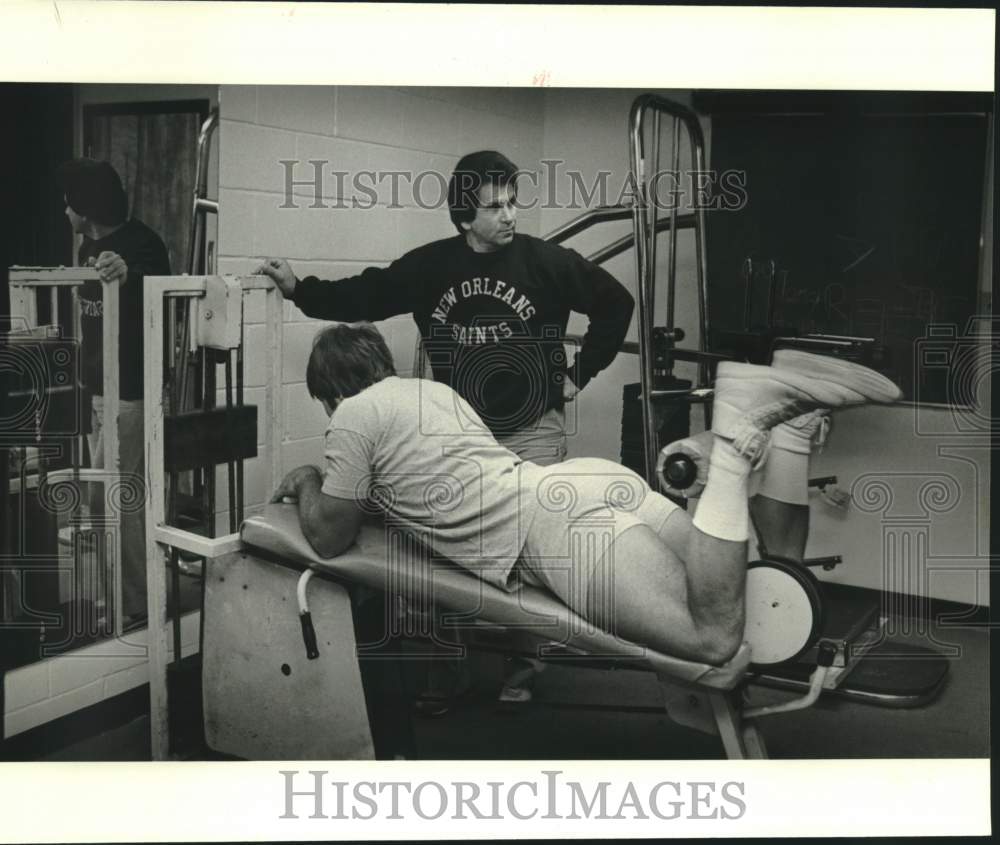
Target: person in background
[{"x": 123, "y": 250}]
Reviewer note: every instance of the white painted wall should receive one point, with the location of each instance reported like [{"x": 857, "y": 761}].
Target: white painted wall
[
  {"x": 917, "y": 476},
  {"x": 353, "y": 129}
]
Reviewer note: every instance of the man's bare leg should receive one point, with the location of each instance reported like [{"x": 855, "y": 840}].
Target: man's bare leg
[
  {"x": 783, "y": 528},
  {"x": 683, "y": 591},
  {"x": 780, "y": 507}
]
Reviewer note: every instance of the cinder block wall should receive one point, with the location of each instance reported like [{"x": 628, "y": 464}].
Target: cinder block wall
[{"x": 367, "y": 134}]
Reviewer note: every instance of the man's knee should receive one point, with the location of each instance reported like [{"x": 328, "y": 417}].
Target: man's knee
[{"x": 721, "y": 640}]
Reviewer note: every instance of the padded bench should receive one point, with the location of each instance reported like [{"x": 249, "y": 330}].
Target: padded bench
[{"x": 255, "y": 656}]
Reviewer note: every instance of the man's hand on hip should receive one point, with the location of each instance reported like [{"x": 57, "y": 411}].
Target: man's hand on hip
[{"x": 569, "y": 389}]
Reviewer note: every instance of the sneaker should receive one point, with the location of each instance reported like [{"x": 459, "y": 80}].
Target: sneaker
[
  {"x": 874, "y": 386},
  {"x": 432, "y": 705},
  {"x": 519, "y": 678},
  {"x": 515, "y": 695},
  {"x": 751, "y": 399}
]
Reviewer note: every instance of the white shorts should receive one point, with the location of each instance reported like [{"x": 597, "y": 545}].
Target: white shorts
[{"x": 583, "y": 506}]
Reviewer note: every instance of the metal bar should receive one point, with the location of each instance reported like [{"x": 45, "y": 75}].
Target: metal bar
[
  {"x": 230, "y": 465},
  {"x": 697, "y": 141},
  {"x": 813, "y": 341},
  {"x": 747, "y": 291},
  {"x": 175, "y": 603},
  {"x": 77, "y": 314},
  {"x": 630, "y": 347},
  {"x": 684, "y": 221},
  {"x": 655, "y": 211},
  {"x": 169, "y": 341},
  {"x": 273, "y": 401},
  {"x": 239, "y": 403},
  {"x": 645, "y": 328},
  {"x": 645, "y": 272},
  {"x": 601, "y": 214},
  {"x": 675, "y": 164},
  {"x": 847, "y": 337},
  {"x": 198, "y": 207},
  {"x": 184, "y": 352},
  {"x": 209, "y": 403},
  {"x": 771, "y": 281}
]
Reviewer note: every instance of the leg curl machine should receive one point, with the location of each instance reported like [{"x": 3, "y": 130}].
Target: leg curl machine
[{"x": 282, "y": 662}]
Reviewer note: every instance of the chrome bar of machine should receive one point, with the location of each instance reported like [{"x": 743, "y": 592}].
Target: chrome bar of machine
[
  {"x": 201, "y": 207},
  {"x": 645, "y": 252},
  {"x": 201, "y": 204}
]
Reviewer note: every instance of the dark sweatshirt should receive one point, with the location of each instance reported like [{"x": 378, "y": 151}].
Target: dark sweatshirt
[
  {"x": 144, "y": 253},
  {"x": 492, "y": 323}
]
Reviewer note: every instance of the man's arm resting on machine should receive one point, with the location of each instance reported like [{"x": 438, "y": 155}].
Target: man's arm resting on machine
[{"x": 330, "y": 524}]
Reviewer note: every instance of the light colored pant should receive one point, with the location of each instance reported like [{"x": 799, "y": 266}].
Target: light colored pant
[
  {"x": 131, "y": 449},
  {"x": 544, "y": 443}
]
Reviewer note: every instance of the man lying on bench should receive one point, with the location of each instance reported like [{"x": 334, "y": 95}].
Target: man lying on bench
[{"x": 415, "y": 451}]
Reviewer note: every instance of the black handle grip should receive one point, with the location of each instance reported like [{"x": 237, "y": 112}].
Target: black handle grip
[
  {"x": 826, "y": 653},
  {"x": 828, "y": 562},
  {"x": 309, "y": 635},
  {"x": 822, "y": 482},
  {"x": 680, "y": 472}
]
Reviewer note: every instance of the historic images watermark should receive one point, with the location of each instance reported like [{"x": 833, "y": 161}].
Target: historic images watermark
[
  {"x": 553, "y": 186},
  {"x": 313, "y": 795}
]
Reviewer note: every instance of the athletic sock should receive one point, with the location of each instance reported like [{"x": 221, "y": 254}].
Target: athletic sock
[
  {"x": 722, "y": 509},
  {"x": 785, "y": 475}
]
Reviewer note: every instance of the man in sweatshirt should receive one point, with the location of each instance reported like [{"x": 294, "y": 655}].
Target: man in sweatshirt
[{"x": 123, "y": 250}]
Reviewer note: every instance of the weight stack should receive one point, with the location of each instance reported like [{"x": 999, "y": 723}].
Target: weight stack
[{"x": 671, "y": 416}]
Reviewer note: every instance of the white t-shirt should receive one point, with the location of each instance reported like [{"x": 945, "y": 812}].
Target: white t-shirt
[{"x": 421, "y": 454}]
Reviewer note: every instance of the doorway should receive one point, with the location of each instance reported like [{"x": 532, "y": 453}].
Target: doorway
[{"x": 154, "y": 148}]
